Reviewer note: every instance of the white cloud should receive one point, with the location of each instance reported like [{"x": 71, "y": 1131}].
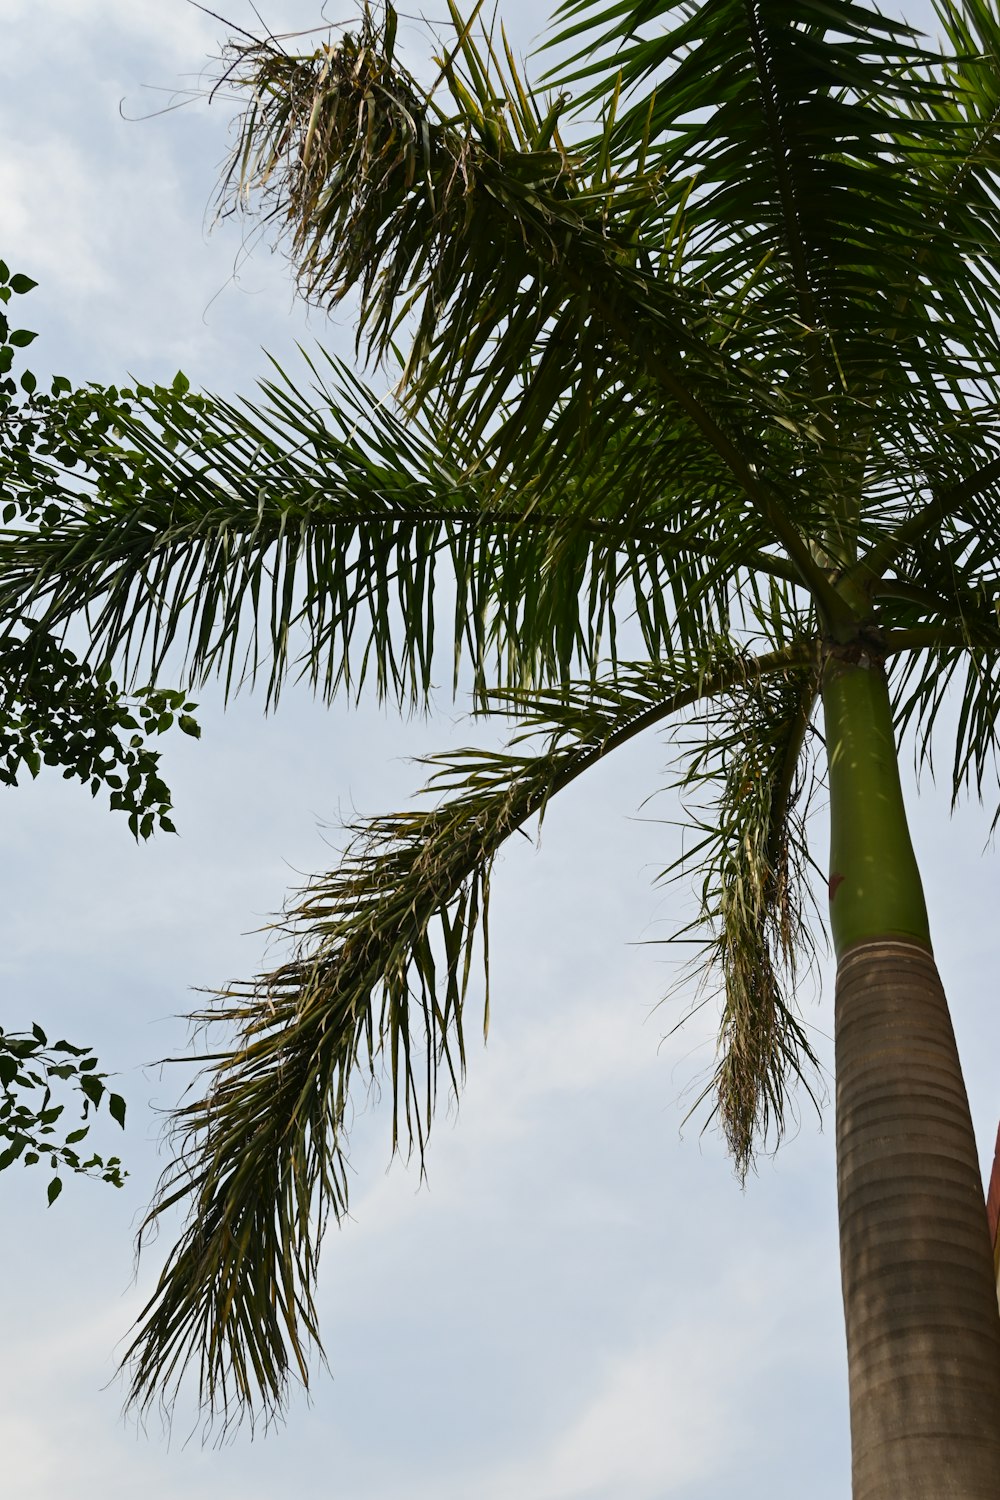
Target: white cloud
[{"x": 661, "y": 1418}]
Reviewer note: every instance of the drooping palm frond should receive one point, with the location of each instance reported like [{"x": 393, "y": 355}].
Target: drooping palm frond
[
  {"x": 936, "y": 587},
  {"x": 230, "y": 528},
  {"x": 746, "y": 782},
  {"x": 387, "y": 191},
  {"x": 312, "y": 532},
  {"x": 536, "y": 284},
  {"x": 956, "y": 680},
  {"x": 386, "y": 945}
]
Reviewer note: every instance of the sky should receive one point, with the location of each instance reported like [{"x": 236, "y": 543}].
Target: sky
[{"x": 580, "y": 1302}]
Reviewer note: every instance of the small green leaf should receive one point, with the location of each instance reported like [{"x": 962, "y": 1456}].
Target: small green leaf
[
  {"x": 92, "y": 1087},
  {"x": 181, "y": 385},
  {"x": 39, "y": 1034},
  {"x": 189, "y": 726},
  {"x": 22, "y": 337},
  {"x": 21, "y": 283},
  {"x": 116, "y": 1104},
  {"x": 55, "y": 1188}
]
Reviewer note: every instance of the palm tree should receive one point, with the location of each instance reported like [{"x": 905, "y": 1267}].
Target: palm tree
[{"x": 720, "y": 368}]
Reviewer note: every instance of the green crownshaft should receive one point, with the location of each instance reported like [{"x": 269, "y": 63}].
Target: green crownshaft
[{"x": 875, "y": 887}]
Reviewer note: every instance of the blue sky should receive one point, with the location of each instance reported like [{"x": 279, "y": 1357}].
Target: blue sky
[{"x": 580, "y": 1303}]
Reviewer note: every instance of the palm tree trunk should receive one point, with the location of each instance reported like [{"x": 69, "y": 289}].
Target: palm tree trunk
[{"x": 923, "y": 1329}]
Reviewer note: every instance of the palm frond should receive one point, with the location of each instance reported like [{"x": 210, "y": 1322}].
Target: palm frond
[
  {"x": 789, "y": 119},
  {"x": 747, "y": 783},
  {"x": 528, "y": 277},
  {"x": 957, "y": 677},
  {"x": 380, "y": 979},
  {"x": 311, "y": 532},
  {"x": 831, "y": 160}
]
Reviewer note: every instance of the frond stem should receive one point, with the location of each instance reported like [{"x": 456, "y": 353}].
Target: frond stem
[
  {"x": 919, "y": 637},
  {"x": 800, "y": 654},
  {"x": 913, "y": 593}
]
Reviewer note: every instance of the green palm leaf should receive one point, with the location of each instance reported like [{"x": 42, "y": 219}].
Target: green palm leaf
[
  {"x": 747, "y": 782},
  {"x": 379, "y": 979},
  {"x": 821, "y": 138},
  {"x": 526, "y": 294},
  {"x": 312, "y": 532}
]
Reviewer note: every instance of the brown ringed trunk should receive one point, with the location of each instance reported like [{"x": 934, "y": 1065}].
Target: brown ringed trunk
[{"x": 923, "y": 1330}]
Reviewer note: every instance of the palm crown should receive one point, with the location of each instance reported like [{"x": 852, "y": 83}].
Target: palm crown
[{"x": 701, "y": 341}]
